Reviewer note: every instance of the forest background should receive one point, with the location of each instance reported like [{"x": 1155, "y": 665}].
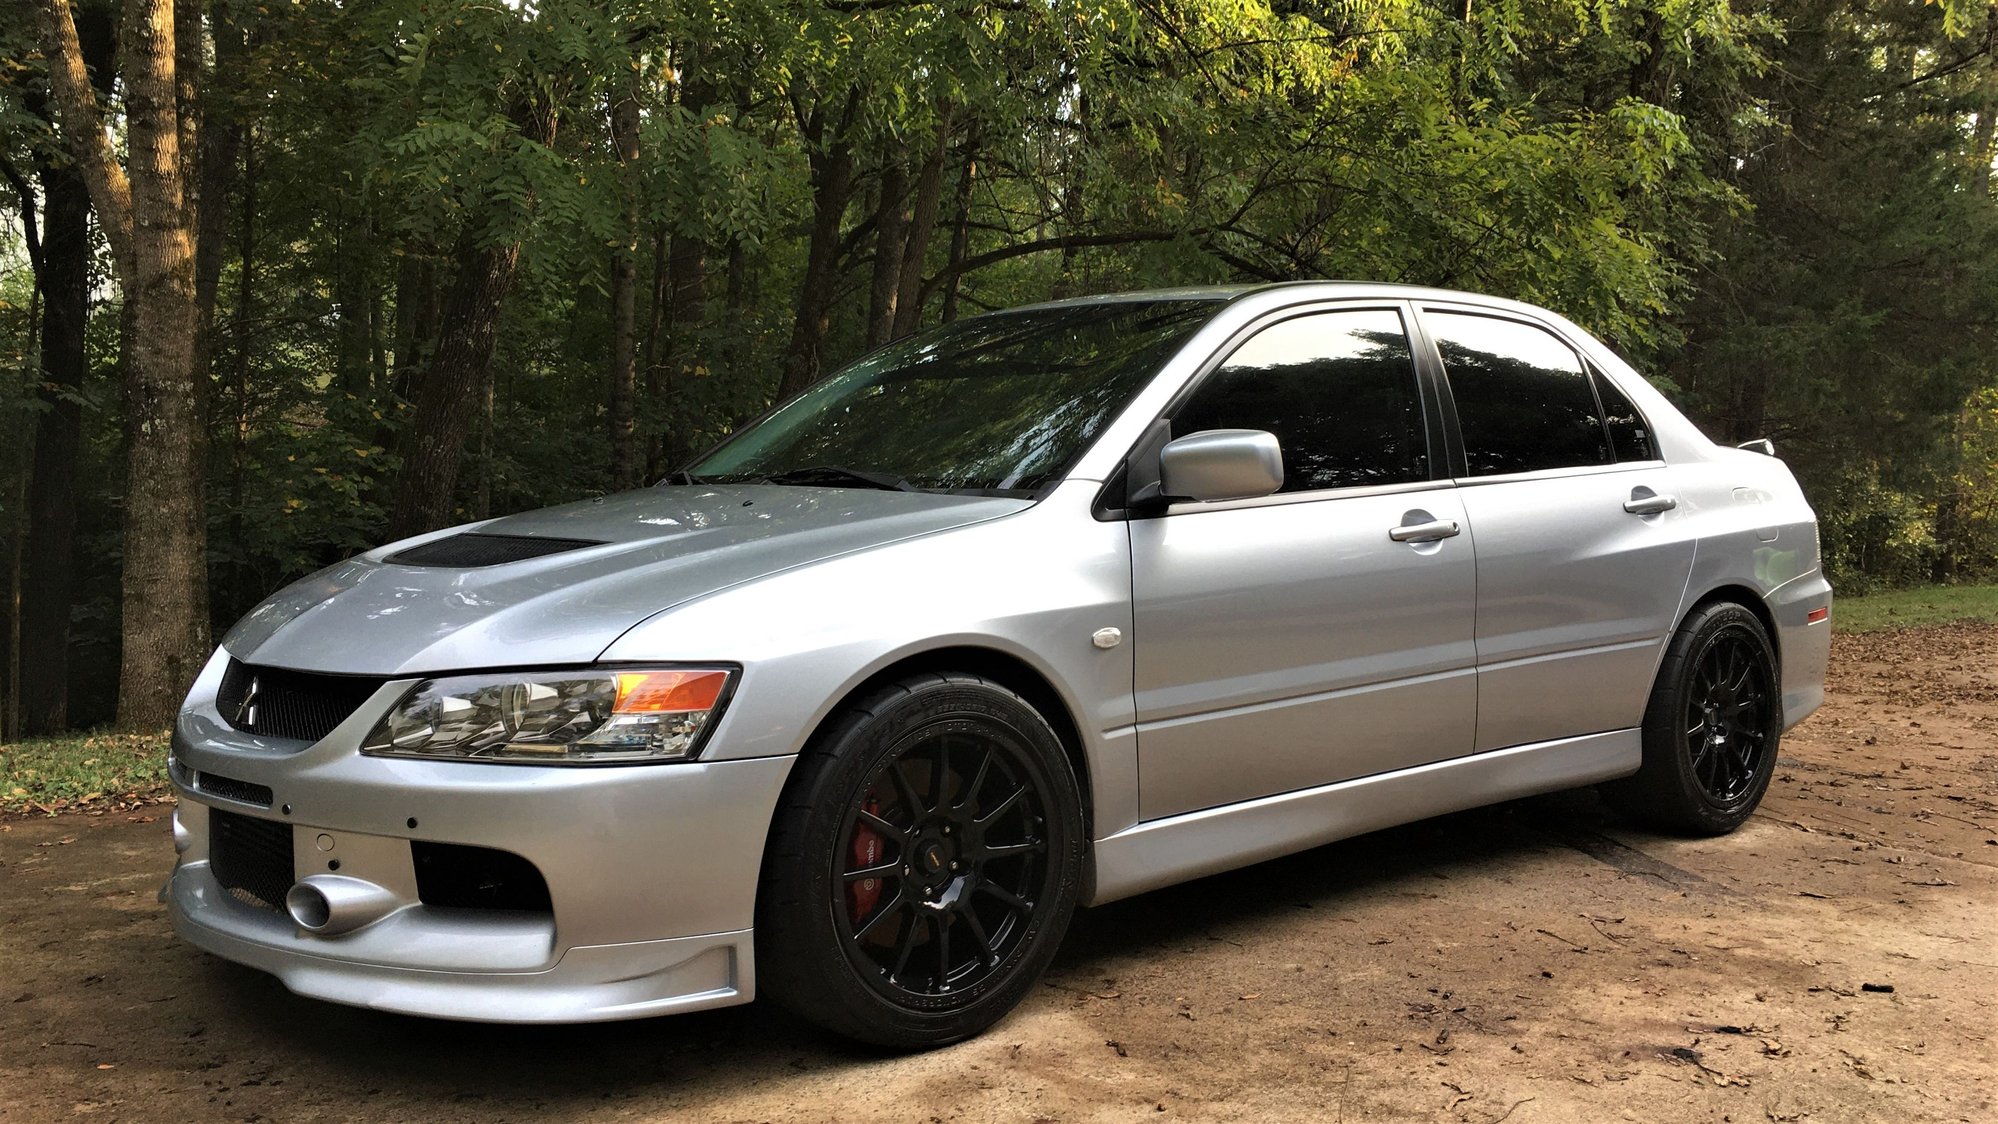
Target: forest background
[{"x": 280, "y": 279}]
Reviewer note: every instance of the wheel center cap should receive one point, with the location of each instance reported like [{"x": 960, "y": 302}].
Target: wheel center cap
[{"x": 934, "y": 859}]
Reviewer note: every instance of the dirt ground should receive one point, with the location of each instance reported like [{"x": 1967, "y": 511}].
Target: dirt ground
[{"x": 1835, "y": 960}]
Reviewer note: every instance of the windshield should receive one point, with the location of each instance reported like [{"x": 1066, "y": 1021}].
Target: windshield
[{"x": 999, "y": 403}]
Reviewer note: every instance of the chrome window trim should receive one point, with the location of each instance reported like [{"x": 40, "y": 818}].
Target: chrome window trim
[
  {"x": 1557, "y": 473},
  {"x": 1319, "y": 495}
]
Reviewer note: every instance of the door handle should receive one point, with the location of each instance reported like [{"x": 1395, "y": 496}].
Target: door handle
[
  {"x": 1644, "y": 501},
  {"x": 1425, "y": 532}
]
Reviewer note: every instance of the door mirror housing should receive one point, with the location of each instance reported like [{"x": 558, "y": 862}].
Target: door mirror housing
[{"x": 1221, "y": 464}]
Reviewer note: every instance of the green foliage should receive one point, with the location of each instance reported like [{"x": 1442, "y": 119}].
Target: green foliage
[
  {"x": 1768, "y": 206},
  {"x": 92, "y": 771},
  {"x": 1873, "y": 536},
  {"x": 1850, "y": 318}
]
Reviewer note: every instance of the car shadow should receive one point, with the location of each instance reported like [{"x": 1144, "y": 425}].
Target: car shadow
[{"x": 663, "y": 1059}]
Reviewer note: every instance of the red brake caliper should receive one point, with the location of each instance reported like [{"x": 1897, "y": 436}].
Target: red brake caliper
[{"x": 862, "y": 895}]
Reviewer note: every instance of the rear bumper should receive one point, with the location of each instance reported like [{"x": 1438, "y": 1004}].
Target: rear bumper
[
  {"x": 651, "y": 873},
  {"x": 1804, "y": 645}
]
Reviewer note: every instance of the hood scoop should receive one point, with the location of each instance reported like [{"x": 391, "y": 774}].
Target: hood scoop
[{"x": 473, "y": 549}]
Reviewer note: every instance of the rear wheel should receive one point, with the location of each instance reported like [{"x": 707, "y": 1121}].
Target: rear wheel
[
  {"x": 1711, "y": 728},
  {"x": 924, "y": 864}
]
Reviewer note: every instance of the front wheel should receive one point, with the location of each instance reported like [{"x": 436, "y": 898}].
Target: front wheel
[
  {"x": 924, "y": 864},
  {"x": 1711, "y": 727}
]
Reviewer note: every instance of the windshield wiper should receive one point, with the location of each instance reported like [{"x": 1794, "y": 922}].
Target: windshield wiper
[{"x": 835, "y": 475}]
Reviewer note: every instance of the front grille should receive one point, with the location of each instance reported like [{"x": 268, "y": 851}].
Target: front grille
[
  {"x": 461, "y": 877},
  {"x": 484, "y": 550},
  {"x": 251, "y": 858},
  {"x": 229, "y": 788},
  {"x": 278, "y": 703}
]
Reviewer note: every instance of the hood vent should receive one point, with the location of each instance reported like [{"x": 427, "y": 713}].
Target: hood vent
[{"x": 484, "y": 550}]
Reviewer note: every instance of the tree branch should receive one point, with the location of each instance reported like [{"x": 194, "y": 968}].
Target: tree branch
[
  {"x": 83, "y": 122},
  {"x": 29, "y": 229},
  {"x": 1042, "y": 245}
]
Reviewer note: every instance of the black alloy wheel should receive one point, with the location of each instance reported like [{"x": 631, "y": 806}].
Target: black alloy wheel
[
  {"x": 923, "y": 864},
  {"x": 1711, "y": 728},
  {"x": 1727, "y": 717},
  {"x": 945, "y": 856}
]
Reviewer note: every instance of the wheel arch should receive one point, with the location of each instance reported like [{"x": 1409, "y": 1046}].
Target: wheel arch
[
  {"x": 1014, "y": 674},
  {"x": 1010, "y": 672},
  {"x": 1748, "y": 599}
]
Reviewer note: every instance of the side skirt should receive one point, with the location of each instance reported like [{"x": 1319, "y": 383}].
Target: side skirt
[{"x": 1196, "y": 844}]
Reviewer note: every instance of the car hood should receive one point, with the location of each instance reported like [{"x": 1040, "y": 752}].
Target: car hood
[{"x": 653, "y": 549}]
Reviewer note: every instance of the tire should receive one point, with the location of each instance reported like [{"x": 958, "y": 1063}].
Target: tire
[
  {"x": 973, "y": 882},
  {"x": 1711, "y": 728}
]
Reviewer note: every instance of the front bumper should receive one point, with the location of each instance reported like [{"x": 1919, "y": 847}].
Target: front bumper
[{"x": 651, "y": 873}]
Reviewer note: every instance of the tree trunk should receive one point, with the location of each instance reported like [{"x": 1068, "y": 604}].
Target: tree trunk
[
  {"x": 433, "y": 446},
  {"x": 655, "y": 309},
  {"x": 416, "y": 313},
  {"x": 47, "y": 591},
  {"x": 148, "y": 223},
  {"x": 452, "y": 388},
  {"x": 740, "y": 295},
  {"x": 1072, "y": 211},
  {"x": 10, "y": 722},
  {"x": 47, "y": 584},
  {"x": 623, "y": 398},
  {"x": 960, "y": 236},
  {"x": 922, "y": 223},
  {"x": 351, "y": 257},
  {"x": 1981, "y": 138},
  {"x": 165, "y": 585},
  {"x": 831, "y": 154},
  {"x": 242, "y": 582},
  {"x": 686, "y": 307},
  {"x": 891, "y": 234}
]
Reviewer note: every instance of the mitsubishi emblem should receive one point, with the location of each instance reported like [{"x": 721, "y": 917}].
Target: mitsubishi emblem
[{"x": 246, "y": 711}]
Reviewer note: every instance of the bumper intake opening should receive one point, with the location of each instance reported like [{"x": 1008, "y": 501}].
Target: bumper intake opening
[
  {"x": 251, "y": 858},
  {"x": 455, "y": 876}
]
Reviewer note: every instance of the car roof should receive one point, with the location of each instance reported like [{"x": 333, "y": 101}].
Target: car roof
[{"x": 1329, "y": 289}]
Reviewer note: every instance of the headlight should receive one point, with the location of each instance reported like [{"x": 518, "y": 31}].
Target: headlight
[{"x": 588, "y": 717}]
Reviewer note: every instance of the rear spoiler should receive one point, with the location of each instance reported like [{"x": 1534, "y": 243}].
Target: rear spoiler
[{"x": 1760, "y": 445}]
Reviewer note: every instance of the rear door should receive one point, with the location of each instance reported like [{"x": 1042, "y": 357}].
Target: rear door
[
  {"x": 1292, "y": 641},
  {"x": 1583, "y": 551}
]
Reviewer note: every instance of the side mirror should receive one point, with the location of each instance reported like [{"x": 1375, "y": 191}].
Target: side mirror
[{"x": 1221, "y": 464}]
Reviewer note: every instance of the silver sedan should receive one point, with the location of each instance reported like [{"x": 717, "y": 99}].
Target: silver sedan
[{"x": 1035, "y": 611}]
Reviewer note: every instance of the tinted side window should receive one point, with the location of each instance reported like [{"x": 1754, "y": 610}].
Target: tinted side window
[
  {"x": 1630, "y": 437},
  {"x": 1338, "y": 391},
  {"x": 1523, "y": 400}
]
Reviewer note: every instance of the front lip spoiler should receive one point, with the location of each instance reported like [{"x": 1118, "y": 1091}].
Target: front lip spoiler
[{"x": 590, "y": 983}]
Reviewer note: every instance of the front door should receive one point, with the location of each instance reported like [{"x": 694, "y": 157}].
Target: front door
[{"x": 1324, "y": 632}]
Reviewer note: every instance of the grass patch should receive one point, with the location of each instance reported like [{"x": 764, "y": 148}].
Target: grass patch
[
  {"x": 1909, "y": 608},
  {"x": 82, "y": 771}
]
